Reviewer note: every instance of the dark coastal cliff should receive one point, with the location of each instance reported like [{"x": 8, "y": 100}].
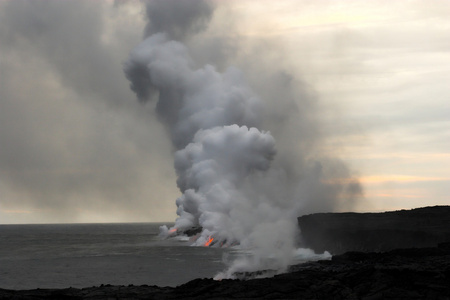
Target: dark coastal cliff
[{"x": 373, "y": 232}]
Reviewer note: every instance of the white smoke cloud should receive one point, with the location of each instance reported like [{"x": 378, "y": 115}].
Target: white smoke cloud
[
  {"x": 209, "y": 115},
  {"x": 211, "y": 169},
  {"x": 233, "y": 186},
  {"x": 189, "y": 100}
]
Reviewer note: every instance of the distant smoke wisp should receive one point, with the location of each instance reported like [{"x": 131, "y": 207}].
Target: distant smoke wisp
[{"x": 223, "y": 159}]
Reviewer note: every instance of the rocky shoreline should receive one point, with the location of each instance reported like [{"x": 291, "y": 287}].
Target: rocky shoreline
[{"x": 421, "y": 272}]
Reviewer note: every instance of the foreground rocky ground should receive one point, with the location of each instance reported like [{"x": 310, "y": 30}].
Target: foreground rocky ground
[{"x": 421, "y": 273}]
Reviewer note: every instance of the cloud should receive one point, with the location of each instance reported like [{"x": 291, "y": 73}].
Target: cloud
[
  {"x": 390, "y": 178},
  {"x": 336, "y": 87},
  {"x": 178, "y": 19},
  {"x": 72, "y": 135},
  {"x": 73, "y": 138},
  {"x": 233, "y": 185}
]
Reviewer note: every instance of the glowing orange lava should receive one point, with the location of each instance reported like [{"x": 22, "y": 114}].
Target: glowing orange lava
[
  {"x": 172, "y": 231},
  {"x": 209, "y": 241}
]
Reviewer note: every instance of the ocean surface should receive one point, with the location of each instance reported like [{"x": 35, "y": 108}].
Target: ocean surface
[{"x": 82, "y": 255}]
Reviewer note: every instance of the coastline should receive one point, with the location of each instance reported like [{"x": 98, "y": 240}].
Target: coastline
[
  {"x": 413, "y": 273},
  {"x": 397, "y": 271}
]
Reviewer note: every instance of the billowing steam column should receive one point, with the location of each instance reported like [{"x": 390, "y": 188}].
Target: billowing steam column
[
  {"x": 211, "y": 170},
  {"x": 207, "y": 114},
  {"x": 222, "y": 160}
]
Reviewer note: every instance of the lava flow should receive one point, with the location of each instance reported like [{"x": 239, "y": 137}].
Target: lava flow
[
  {"x": 172, "y": 232},
  {"x": 209, "y": 241}
]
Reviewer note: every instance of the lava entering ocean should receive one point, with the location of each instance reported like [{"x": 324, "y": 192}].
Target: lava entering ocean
[
  {"x": 209, "y": 241},
  {"x": 233, "y": 185}
]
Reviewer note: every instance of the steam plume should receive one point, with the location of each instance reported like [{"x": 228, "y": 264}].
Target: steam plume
[
  {"x": 178, "y": 19},
  {"x": 232, "y": 186}
]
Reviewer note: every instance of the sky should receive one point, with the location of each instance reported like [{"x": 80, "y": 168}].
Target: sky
[{"x": 369, "y": 78}]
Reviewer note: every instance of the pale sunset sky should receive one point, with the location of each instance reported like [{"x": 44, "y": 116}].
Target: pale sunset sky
[{"x": 76, "y": 146}]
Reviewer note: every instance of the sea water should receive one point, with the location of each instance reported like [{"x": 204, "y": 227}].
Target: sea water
[{"x": 82, "y": 255}]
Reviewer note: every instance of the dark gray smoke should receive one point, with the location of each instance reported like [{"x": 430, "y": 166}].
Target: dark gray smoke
[
  {"x": 177, "y": 19},
  {"x": 235, "y": 184}
]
